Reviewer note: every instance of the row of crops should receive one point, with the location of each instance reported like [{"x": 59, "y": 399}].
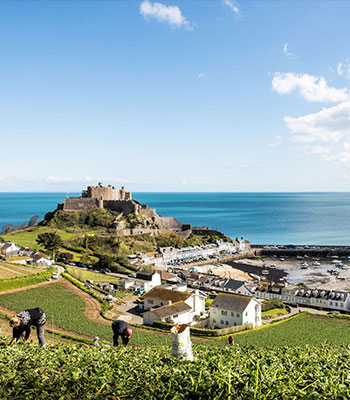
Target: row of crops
[{"x": 235, "y": 372}]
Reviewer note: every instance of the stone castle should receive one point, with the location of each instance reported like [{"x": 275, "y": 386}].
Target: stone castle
[{"x": 119, "y": 200}]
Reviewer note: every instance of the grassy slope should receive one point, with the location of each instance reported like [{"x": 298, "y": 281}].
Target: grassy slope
[
  {"x": 27, "y": 237},
  {"x": 300, "y": 330},
  {"x": 274, "y": 312},
  {"x": 83, "y": 275},
  {"x": 65, "y": 309}
]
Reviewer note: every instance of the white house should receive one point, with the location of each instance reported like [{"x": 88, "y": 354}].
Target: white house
[
  {"x": 42, "y": 260},
  {"x": 9, "y": 249},
  {"x": 237, "y": 286},
  {"x": 143, "y": 280},
  {"x": 159, "y": 297},
  {"x": 234, "y": 309},
  {"x": 177, "y": 313}
]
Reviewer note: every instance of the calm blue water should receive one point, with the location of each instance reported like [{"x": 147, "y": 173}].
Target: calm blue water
[{"x": 262, "y": 218}]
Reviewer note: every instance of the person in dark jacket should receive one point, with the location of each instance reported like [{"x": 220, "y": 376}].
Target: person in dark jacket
[
  {"x": 22, "y": 322},
  {"x": 122, "y": 329}
]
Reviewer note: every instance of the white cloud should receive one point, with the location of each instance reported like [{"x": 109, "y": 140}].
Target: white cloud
[
  {"x": 202, "y": 75},
  {"x": 329, "y": 125},
  {"x": 233, "y": 6},
  {"x": 343, "y": 69},
  {"x": 312, "y": 88},
  {"x": 286, "y": 51},
  {"x": 276, "y": 142},
  {"x": 162, "y": 13}
]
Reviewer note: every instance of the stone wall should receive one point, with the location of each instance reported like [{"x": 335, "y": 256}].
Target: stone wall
[
  {"x": 79, "y": 204},
  {"x": 124, "y": 206}
]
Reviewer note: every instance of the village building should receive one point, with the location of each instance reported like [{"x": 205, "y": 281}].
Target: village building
[
  {"x": 168, "y": 277},
  {"x": 237, "y": 286},
  {"x": 161, "y": 297},
  {"x": 175, "y": 313},
  {"x": 9, "y": 249},
  {"x": 42, "y": 260},
  {"x": 233, "y": 310},
  {"x": 141, "y": 281}
]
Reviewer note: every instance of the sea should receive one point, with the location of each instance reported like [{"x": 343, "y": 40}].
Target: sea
[{"x": 261, "y": 218}]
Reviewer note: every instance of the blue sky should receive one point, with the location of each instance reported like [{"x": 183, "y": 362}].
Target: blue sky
[{"x": 175, "y": 95}]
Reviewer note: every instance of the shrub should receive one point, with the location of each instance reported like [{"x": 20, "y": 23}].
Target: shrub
[
  {"x": 28, "y": 280},
  {"x": 272, "y": 303}
]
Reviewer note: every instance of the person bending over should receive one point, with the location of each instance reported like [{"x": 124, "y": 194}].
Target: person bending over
[
  {"x": 122, "y": 329},
  {"x": 22, "y": 322}
]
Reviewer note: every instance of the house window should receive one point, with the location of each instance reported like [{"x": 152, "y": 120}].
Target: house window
[
  {"x": 150, "y": 301},
  {"x": 235, "y": 323},
  {"x": 232, "y": 314},
  {"x": 161, "y": 304},
  {"x": 237, "y": 315},
  {"x": 330, "y": 303},
  {"x": 336, "y": 304},
  {"x": 223, "y": 312},
  {"x": 222, "y": 322},
  {"x": 226, "y": 322},
  {"x": 175, "y": 315},
  {"x": 246, "y": 313},
  {"x": 214, "y": 320}
]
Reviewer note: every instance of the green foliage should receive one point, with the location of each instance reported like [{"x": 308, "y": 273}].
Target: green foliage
[
  {"x": 169, "y": 239},
  {"x": 80, "y": 372},
  {"x": 100, "y": 217},
  {"x": 27, "y": 280},
  {"x": 272, "y": 303},
  {"x": 66, "y": 256},
  {"x": 50, "y": 241}
]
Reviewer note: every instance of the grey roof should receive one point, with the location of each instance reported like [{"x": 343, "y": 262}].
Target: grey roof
[
  {"x": 234, "y": 284},
  {"x": 161, "y": 293},
  {"x": 145, "y": 275},
  {"x": 231, "y": 302},
  {"x": 168, "y": 311}
]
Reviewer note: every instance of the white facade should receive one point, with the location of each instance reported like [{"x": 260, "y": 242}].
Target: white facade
[
  {"x": 178, "y": 317},
  {"x": 229, "y": 316},
  {"x": 142, "y": 284},
  {"x": 9, "y": 249},
  {"x": 44, "y": 262}
]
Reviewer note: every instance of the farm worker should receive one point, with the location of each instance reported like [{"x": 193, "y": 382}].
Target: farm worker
[
  {"x": 229, "y": 340},
  {"x": 96, "y": 343},
  {"x": 22, "y": 322},
  {"x": 121, "y": 328}
]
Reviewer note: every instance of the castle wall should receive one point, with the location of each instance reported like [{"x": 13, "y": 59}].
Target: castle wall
[
  {"x": 169, "y": 223},
  {"x": 106, "y": 192},
  {"x": 79, "y": 204},
  {"x": 148, "y": 212},
  {"x": 124, "y": 206}
]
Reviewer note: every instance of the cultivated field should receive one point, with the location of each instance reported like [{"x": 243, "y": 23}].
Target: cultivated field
[
  {"x": 8, "y": 271},
  {"x": 235, "y": 372},
  {"x": 65, "y": 309},
  {"x": 299, "y": 331}
]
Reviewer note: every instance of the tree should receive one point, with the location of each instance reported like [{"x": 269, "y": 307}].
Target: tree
[
  {"x": 104, "y": 261},
  {"x": 50, "y": 241},
  {"x": 33, "y": 220},
  {"x": 66, "y": 256}
]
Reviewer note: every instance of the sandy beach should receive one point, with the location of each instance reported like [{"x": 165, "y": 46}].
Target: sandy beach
[{"x": 290, "y": 270}]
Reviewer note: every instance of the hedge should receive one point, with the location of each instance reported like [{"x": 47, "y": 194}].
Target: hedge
[
  {"x": 104, "y": 305},
  {"x": 206, "y": 332},
  {"x": 28, "y": 280}
]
